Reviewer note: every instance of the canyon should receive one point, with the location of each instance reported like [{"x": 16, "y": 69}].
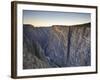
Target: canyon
[{"x": 56, "y": 46}]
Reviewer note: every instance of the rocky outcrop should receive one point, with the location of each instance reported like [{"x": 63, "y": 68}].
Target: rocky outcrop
[{"x": 56, "y": 46}]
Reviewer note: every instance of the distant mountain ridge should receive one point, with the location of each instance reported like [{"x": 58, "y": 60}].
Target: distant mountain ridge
[
  {"x": 56, "y": 46},
  {"x": 57, "y": 25}
]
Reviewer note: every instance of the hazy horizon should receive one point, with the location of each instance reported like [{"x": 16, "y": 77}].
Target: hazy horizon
[{"x": 49, "y": 18}]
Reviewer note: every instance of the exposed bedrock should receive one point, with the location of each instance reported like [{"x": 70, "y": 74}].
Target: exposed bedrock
[{"x": 56, "y": 46}]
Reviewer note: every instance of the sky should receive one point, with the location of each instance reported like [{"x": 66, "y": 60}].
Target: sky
[{"x": 49, "y": 18}]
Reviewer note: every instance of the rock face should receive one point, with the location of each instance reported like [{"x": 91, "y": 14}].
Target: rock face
[{"x": 56, "y": 46}]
